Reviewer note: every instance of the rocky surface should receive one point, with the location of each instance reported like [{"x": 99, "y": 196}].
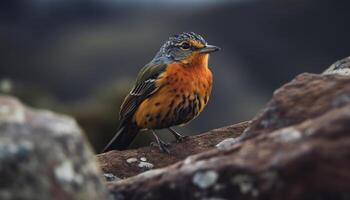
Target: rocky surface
[
  {"x": 296, "y": 148},
  {"x": 305, "y": 97},
  {"x": 132, "y": 162},
  {"x": 341, "y": 67},
  {"x": 44, "y": 156}
]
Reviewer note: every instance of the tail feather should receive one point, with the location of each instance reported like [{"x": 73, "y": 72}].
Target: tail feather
[{"x": 122, "y": 139}]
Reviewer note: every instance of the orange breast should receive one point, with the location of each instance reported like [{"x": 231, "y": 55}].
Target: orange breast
[{"x": 184, "y": 90}]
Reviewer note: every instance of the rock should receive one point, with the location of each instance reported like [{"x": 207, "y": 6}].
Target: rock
[
  {"x": 341, "y": 67},
  {"x": 131, "y": 160},
  {"x": 145, "y": 165},
  {"x": 111, "y": 177},
  {"x": 305, "y": 97},
  {"x": 227, "y": 143},
  {"x": 144, "y": 159},
  {"x": 298, "y": 148},
  {"x": 205, "y": 179},
  {"x": 44, "y": 155},
  {"x": 126, "y": 163}
]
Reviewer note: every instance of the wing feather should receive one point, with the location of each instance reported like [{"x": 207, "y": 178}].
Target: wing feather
[{"x": 144, "y": 87}]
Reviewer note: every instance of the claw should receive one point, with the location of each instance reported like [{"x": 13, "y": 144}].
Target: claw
[
  {"x": 181, "y": 138},
  {"x": 153, "y": 144},
  {"x": 178, "y": 136},
  {"x": 163, "y": 147}
]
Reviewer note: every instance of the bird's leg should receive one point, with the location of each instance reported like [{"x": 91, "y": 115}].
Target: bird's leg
[
  {"x": 162, "y": 145},
  {"x": 177, "y": 135}
]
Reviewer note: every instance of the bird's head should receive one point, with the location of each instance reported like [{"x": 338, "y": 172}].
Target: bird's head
[{"x": 185, "y": 48}]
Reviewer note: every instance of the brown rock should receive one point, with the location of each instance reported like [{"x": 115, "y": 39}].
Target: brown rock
[
  {"x": 127, "y": 163},
  {"x": 300, "y": 150},
  {"x": 307, "y": 161},
  {"x": 305, "y": 97}
]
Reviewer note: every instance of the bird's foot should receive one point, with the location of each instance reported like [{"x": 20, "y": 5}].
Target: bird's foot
[
  {"x": 155, "y": 144},
  {"x": 178, "y": 136},
  {"x": 181, "y": 138},
  {"x": 163, "y": 147}
]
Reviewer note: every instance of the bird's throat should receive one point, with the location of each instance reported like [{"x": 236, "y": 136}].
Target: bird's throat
[{"x": 196, "y": 60}]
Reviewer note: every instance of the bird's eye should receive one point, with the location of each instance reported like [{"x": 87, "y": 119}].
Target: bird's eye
[{"x": 185, "y": 45}]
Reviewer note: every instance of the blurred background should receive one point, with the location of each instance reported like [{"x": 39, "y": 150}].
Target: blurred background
[{"x": 81, "y": 57}]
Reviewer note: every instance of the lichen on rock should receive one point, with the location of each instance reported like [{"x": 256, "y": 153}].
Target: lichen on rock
[
  {"x": 44, "y": 155},
  {"x": 341, "y": 67},
  {"x": 205, "y": 179}
]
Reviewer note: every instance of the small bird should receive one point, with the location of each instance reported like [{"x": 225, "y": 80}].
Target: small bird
[{"x": 170, "y": 90}]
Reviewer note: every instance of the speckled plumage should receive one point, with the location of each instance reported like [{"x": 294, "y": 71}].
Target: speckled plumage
[
  {"x": 171, "y": 90},
  {"x": 180, "y": 98}
]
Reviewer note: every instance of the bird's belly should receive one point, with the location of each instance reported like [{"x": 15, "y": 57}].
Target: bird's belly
[{"x": 172, "y": 104}]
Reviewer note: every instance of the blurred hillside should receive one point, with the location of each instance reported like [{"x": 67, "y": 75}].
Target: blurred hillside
[{"x": 81, "y": 57}]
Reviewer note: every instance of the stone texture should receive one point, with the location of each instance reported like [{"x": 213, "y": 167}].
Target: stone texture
[
  {"x": 44, "y": 156},
  {"x": 129, "y": 162},
  {"x": 296, "y": 148},
  {"x": 341, "y": 67},
  {"x": 305, "y": 97}
]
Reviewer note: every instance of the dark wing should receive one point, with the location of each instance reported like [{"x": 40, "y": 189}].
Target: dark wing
[{"x": 144, "y": 87}]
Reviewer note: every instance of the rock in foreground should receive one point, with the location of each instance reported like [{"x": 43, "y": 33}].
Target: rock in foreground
[
  {"x": 44, "y": 156},
  {"x": 297, "y": 149}
]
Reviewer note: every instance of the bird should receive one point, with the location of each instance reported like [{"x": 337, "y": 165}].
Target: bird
[{"x": 171, "y": 90}]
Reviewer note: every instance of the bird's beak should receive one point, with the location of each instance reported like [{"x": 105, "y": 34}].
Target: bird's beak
[{"x": 209, "y": 49}]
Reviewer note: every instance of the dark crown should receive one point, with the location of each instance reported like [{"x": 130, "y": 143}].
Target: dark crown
[
  {"x": 164, "y": 54},
  {"x": 185, "y": 37}
]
